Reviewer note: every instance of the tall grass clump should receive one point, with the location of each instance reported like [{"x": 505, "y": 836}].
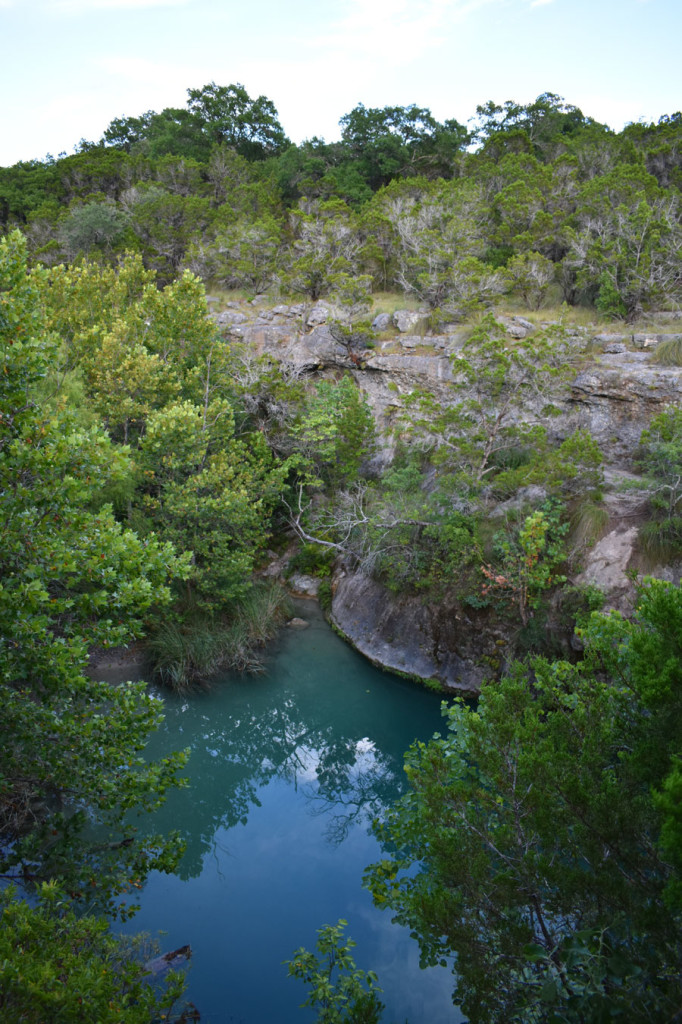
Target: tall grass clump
[
  {"x": 589, "y": 521},
  {"x": 660, "y": 541},
  {"x": 184, "y": 654},
  {"x": 668, "y": 353}
]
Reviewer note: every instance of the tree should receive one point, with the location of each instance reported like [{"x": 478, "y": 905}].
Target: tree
[
  {"x": 166, "y": 224},
  {"x": 71, "y": 766},
  {"x": 336, "y": 433},
  {"x": 326, "y": 242},
  {"x": 626, "y": 243},
  {"x": 547, "y": 124},
  {"x": 530, "y": 275},
  {"x": 546, "y": 866},
  {"x": 500, "y": 394},
  {"x": 397, "y": 142},
  {"x": 527, "y": 564},
  {"x": 437, "y": 233},
  {"x": 208, "y": 491},
  {"x": 227, "y": 114}
]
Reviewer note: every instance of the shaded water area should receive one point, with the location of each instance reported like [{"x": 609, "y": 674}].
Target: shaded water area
[{"x": 286, "y": 773}]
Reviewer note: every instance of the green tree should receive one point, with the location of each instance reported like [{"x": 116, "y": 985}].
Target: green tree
[
  {"x": 528, "y": 563},
  {"x": 339, "y": 991},
  {"x": 626, "y": 243},
  {"x": 227, "y": 114},
  {"x": 326, "y": 242},
  {"x": 208, "y": 491},
  {"x": 71, "y": 763},
  {"x": 545, "y": 865},
  {"x": 436, "y": 233},
  {"x": 530, "y": 275},
  {"x": 494, "y": 378},
  {"x": 395, "y": 142},
  {"x": 336, "y": 434}
]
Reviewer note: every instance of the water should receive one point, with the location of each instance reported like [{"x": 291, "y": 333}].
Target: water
[{"x": 286, "y": 773}]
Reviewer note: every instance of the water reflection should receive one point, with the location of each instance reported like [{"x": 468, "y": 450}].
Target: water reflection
[
  {"x": 286, "y": 774},
  {"x": 333, "y": 748}
]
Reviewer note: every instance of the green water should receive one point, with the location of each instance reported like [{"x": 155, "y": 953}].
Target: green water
[{"x": 286, "y": 773}]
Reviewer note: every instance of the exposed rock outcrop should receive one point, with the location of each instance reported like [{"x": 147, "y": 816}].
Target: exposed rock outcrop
[
  {"x": 613, "y": 396},
  {"x": 401, "y": 633}
]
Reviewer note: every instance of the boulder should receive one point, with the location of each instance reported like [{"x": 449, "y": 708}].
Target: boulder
[
  {"x": 318, "y": 315},
  {"x": 381, "y": 322},
  {"x": 406, "y": 320},
  {"x": 606, "y": 567},
  {"x": 304, "y": 586},
  {"x": 229, "y": 317}
]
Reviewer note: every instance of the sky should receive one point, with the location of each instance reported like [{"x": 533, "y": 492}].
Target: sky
[{"x": 69, "y": 67}]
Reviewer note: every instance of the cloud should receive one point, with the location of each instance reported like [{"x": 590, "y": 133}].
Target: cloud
[
  {"x": 90, "y": 6},
  {"x": 143, "y": 71},
  {"x": 541, "y": 3},
  {"x": 397, "y": 30}
]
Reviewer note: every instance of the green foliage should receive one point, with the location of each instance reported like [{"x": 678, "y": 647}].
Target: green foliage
[
  {"x": 530, "y": 274},
  {"x": 70, "y": 968},
  {"x": 609, "y": 301},
  {"x": 526, "y": 564},
  {"x": 572, "y": 469},
  {"x": 211, "y": 493},
  {"x": 545, "y": 865},
  {"x": 93, "y": 226},
  {"x": 336, "y": 434},
  {"x": 627, "y": 238},
  {"x": 71, "y": 756},
  {"x": 313, "y": 560},
  {"x": 339, "y": 991},
  {"x": 492, "y": 377}
]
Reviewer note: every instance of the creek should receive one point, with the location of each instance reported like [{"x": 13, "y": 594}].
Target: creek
[{"x": 287, "y": 771}]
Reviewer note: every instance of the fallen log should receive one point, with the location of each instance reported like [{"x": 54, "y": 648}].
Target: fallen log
[{"x": 168, "y": 960}]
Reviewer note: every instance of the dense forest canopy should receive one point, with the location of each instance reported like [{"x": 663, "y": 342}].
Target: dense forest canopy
[
  {"x": 217, "y": 188},
  {"x": 149, "y": 462}
]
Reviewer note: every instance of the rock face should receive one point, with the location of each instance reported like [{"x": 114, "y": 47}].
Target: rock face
[
  {"x": 617, "y": 396},
  {"x": 614, "y": 397},
  {"x": 404, "y": 635},
  {"x": 606, "y": 567}
]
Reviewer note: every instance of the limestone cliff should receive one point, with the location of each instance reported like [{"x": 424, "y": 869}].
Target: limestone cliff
[{"x": 614, "y": 394}]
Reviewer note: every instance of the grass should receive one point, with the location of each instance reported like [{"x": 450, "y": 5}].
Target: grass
[
  {"x": 589, "y": 521},
  {"x": 660, "y": 542},
  {"x": 668, "y": 353},
  {"x": 390, "y": 302},
  {"x": 184, "y": 654}
]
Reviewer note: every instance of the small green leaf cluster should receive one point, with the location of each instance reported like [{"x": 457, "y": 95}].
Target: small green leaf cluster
[{"x": 340, "y": 992}]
